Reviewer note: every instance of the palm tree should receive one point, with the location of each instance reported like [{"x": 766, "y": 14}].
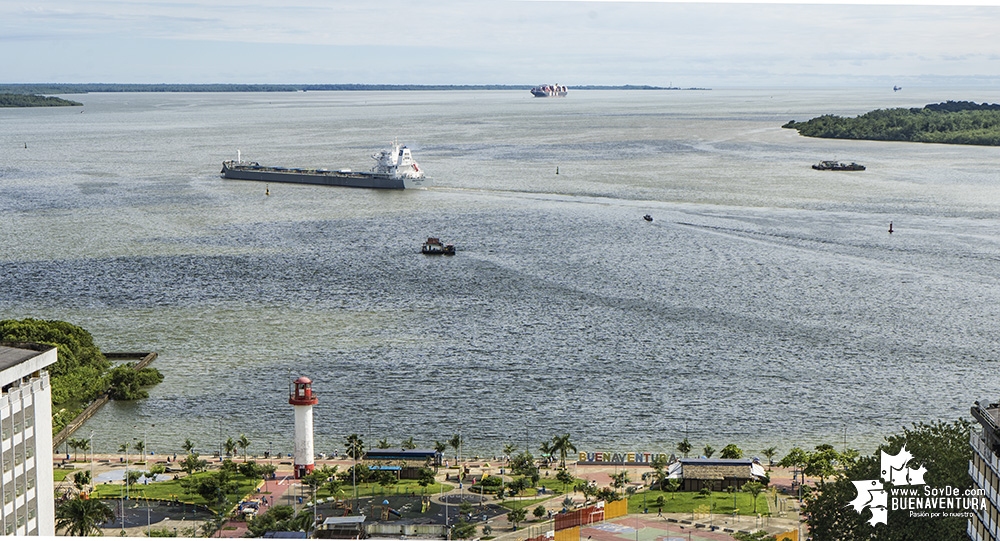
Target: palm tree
[
  {"x": 72, "y": 444},
  {"x": 140, "y": 447},
  {"x": 562, "y": 445},
  {"x": 547, "y": 449},
  {"x": 508, "y": 450},
  {"x": 188, "y": 446},
  {"x": 456, "y": 442},
  {"x": 243, "y": 442},
  {"x": 408, "y": 444},
  {"x": 79, "y": 517},
  {"x": 84, "y": 445},
  {"x": 684, "y": 447},
  {"x": 769, "y": 453},
  {"x": 355, "y": 447},
  {"x": 230, "y": 447}
]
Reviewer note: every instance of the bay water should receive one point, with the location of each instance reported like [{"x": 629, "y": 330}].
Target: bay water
[{"x": 766, "y": 304}]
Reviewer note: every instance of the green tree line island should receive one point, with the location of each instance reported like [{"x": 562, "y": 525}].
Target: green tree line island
[
  {"x": 33, "y": 100},
  {"x": 82, "y": 373},
  {"x": 951, "y": 122}
]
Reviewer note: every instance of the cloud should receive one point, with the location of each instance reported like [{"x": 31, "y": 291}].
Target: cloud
[{"x": 467, "y": 42}]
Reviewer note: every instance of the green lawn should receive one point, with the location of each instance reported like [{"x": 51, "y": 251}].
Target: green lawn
[
  {"x": 59, "y": 474},
  {"x": 403, "y": 487},
  {"x": 170, "y": 490},
  {"x": 689, "y": 502}
]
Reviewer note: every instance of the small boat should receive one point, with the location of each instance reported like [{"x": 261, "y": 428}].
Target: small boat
[
  {"x": 648, "y": 218},
  {"x": 830, "y": 165},
  {"x": 433, "y": 246}
]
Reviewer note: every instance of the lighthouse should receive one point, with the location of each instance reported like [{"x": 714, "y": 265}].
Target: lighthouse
[{"x": 303, "y": 399}]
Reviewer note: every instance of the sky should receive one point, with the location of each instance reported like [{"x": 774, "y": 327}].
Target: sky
[{"x": 571, "y": 42}]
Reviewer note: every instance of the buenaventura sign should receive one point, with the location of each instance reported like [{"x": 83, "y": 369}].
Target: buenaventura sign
[{"x": 619, "y": 459}]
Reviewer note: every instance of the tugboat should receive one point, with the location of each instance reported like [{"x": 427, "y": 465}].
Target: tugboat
[
  {"x": 433, "y": 246},
  {"x": 549, "y": 91},
  {"x": 829, "y": 165}
]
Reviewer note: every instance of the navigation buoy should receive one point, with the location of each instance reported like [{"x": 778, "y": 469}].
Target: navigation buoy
[
  {"x": 557, "y": 169},
  {"x": 890, "y": 228},
  {"x": 267, "y": 190}
]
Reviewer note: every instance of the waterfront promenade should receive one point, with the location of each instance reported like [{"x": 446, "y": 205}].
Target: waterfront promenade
[{"x": 649, "y": 526}]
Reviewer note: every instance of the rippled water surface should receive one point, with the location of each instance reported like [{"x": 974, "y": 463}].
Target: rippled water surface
[{"x": 766, "y": 304}]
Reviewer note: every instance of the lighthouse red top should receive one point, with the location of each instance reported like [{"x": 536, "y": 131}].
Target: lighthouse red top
[{"x": 302, "y": 394}]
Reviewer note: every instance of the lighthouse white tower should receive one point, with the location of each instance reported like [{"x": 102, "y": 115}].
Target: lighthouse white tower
[{"x": 303, "y": 399}]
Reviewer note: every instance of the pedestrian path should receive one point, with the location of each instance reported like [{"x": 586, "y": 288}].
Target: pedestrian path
[{"x": 283, "y": 490}]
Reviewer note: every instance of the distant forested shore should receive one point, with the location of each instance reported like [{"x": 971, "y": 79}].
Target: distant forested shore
[
  {"x": 951, "y": 122},
  {"x": 83, "y": 88},
  {"x": 32, "y": 100}
]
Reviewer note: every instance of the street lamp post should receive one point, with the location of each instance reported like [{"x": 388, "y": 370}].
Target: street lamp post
[{"x": 92, "y": 484}]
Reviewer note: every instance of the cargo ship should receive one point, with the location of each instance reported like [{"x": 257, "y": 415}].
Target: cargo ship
[
  {"x": 394, "y": 169},
  {"x": 838, "y": 166},
  {"x": 549, "y": 91}
]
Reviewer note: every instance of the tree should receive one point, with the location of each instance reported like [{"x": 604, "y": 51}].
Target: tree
[
  {"x": 72, "y": 444},
  {"x": 81, "y": 479},
  {"x": 82, "y": 517},
  {"x": 230, "y": 447},
  {"x": 425, "y": 477},
  {"x": 671, "y": 486},
  {"x": 546, "y": 450},
  {"x": 192, "y": 463},
  {"x": 539, "y": 512},
  {"x": 355, "y": 447},
  {"x": 942, "y": 448},
  {"x": 620, "y": 479},
  {"x": 515, "y": 516},
  {"x": 796, "y": 458},
  {"x": 770, "y": 452},
  {"x": 708, "y": 451},
  {"x": 188, "y": 446},
  {"x": 753, "y": 488},
  {"x": 684, "y": 447},
  {"x": 508, "y": 450},
  {"x": 564, "y": 477},
  {"x": 243, "y": 443},
  {"x": 140, "y": 447},
  {"x": 408, "y": 444},
  {"x": 133, "y": 476},
  {"x": 83, "y": 444},
  {"x": 463, "y": 529},
  {"x": 456, "y": 442},
  {"x": 127, "y": 383},
  {"x": 731, "y": 451},
  {"x": 563, "y": 446}
]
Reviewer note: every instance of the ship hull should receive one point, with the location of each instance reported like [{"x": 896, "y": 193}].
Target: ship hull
[
  {"x": 350, "y": 179},
  {"x": 544, "y": 94}
]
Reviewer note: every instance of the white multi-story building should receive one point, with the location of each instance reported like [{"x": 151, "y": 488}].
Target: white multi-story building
[
  {"x": 984, "y": 468},
  {"x": 26, "y": 488}
]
